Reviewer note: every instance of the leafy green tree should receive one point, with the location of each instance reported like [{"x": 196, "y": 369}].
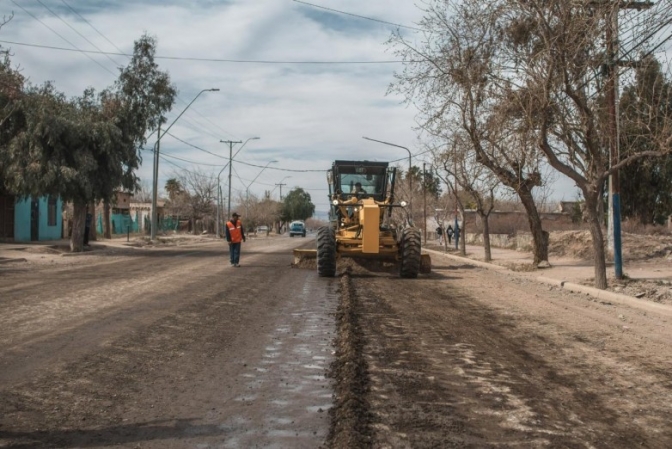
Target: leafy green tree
[
  {"x": 297, "y": 206},
  {"x": 645, "y": 184},
  {"x": 85, "y": 148},
  {"x": 174, "y": 188}
]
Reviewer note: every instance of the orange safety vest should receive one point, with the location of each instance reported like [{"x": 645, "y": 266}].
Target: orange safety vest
[{"x": 235, "y": 231}]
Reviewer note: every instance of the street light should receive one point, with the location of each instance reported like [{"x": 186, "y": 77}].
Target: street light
[
  {"x": 230, "y": 164},
  {"x": 410, "y": 181},
  {"x": 247, "y": 189},
  {"x": 157, "y": 145},
  {"x": 280, "y": 184}
]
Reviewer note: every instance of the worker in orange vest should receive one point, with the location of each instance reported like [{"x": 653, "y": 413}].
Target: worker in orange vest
[{"x": 235, "y": 234}]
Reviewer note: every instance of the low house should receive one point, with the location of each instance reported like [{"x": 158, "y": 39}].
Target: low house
[
  {"x": 141, "y": 214},
  {"x": 30, "y": 219}
]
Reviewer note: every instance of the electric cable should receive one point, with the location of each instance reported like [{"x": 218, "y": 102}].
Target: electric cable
[
  {"x": 184, "y": 58},
  {"x": 75, "y": 48},
  {"x": 358, "y": 16}
]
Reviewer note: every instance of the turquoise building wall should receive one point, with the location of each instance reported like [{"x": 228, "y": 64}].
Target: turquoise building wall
[
  {"x": 45, "y": 232},
  {"x": 22, "y": 220}
]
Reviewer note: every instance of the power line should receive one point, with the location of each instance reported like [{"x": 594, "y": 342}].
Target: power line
[
  {"x": 89, "y": 23},
  {"x": 75, "y": 48},
  {"x": 185, "y": 58},
  {"x": 129, "y": 56},
  {"x": 357, "y": 15},
  {"x": 197, "y": 148},
  {"x": 73, "y": 29},
  {"x": 280, "y": 169},
  {"x": 188, "y": 161}
]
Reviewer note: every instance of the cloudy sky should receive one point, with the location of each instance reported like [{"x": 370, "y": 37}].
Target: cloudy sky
[{"x": 308, "y": 81}]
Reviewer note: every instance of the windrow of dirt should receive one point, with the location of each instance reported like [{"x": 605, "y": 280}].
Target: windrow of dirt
[{"x": 349, "y": 414}]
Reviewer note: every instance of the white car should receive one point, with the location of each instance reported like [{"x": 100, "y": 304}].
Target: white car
[{"x": 262, "y": 229}]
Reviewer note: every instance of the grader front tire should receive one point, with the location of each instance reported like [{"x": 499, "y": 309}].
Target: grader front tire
[
  {"x": 411, "y": 253},
  {"x": 326, "y": 252}
]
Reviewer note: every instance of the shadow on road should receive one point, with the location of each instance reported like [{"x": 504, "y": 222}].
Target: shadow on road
[{"x": 114, "y": 435}]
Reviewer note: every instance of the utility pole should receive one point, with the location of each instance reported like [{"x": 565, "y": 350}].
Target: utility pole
[
  {"x": 155, "y": 185},
  {"x": 280, "y": 185},
  {"x": 424, "y": 200},
  {"x": 230, "y": 142},
  {"x": 456, "y": 230},
  {"x": 611, "y": 87}
]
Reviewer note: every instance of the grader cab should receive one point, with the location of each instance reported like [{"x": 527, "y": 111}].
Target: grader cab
[{"x": 362, "y": 199}]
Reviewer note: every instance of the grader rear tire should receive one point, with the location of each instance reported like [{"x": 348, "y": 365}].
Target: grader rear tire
[
  {"x": 326, "y": 252},
  {"x": 411, "y": 253}
]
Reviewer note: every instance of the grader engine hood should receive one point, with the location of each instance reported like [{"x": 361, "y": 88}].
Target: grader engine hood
[{"x": 369, "y": 218}]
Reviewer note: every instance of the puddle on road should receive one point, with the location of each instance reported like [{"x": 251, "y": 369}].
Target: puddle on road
[{"x": 288, "y": 386}]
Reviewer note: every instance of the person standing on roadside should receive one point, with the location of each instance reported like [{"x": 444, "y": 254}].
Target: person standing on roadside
[
  {"x": 449, "y": 233},
  {"x": 235, "y": 235}
]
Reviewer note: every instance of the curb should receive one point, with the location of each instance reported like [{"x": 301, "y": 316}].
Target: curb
[
  {"x": 468, "y": 261},
  {"x": 606, "y": 295},
  {"x": 9, "y": 260},
  {"x": 619, "y": 298}
]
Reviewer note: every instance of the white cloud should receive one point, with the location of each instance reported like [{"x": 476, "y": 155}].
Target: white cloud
[{"x": 307, "y": 115}]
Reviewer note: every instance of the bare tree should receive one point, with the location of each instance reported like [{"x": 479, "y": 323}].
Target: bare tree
[
  {"x": 456, "y": 79},
  {"x": 201, "y": 194},
  {"x": 143, "y": 193},
  {"x": 558, "y": 51},
  {"x": 476, "y": 181}
]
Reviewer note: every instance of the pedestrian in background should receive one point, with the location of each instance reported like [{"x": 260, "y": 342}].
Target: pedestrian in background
[
  {"x": 449, "y": 233},
  {"x": 235, "y": 235},
  {"x": 439, "y": 234}
]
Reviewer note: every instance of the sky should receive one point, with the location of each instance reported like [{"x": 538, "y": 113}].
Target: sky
[{"x": 308, "y": 81}]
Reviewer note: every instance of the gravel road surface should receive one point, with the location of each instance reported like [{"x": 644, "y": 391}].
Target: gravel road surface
[{"x": 173, "y": 348}]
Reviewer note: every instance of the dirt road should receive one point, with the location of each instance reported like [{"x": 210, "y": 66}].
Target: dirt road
[
  {"x": 473, "y": 358},
  {"x": 166, "y": 348},
  {"x": 160, "y": 348}
]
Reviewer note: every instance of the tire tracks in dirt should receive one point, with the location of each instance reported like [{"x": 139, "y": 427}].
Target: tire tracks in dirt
[{"x": 465, "y": 359}]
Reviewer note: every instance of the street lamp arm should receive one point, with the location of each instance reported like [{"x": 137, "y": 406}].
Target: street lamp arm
[
  {"x": 185, "y": 109},
  {"x": 241, "y": 147},
  {"x": 156, "y": 163},
  {"x": 259, "y": 174},
  {"x": 410, "y": 179},
  {"x": 388, "y": 143}
]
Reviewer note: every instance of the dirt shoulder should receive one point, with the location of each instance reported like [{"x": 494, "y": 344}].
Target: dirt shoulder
[
  {"x": 467, "y": 357},
  {"x": 647, "y": 263}
]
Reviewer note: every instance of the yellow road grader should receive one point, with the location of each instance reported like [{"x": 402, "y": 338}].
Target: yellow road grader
[{"x": 362, "y": 199}]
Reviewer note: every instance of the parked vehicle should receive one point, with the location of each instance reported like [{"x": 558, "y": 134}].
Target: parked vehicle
[
  {"x": 262, "y": 229},
  {"x": 297, "y": 228}
]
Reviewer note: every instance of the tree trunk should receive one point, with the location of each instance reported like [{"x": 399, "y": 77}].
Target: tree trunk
[
  {"x": 93, "y": 232},
  {"x": 598, "y": 241},
  {"x": 78, "y": 224},
  {"x": 539, "y": 237},
  {"x": 107, "y": 231},
  {"x": 463, "y": 234},
  {"x": 486, "y": 236}
]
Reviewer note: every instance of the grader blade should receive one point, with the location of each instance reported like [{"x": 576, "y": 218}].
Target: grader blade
[
  {"x": 304, "y": 254},
  {"x": 425, "y": 263}
]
